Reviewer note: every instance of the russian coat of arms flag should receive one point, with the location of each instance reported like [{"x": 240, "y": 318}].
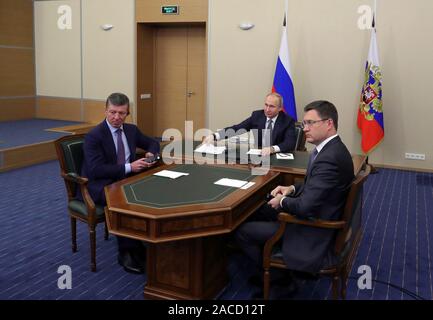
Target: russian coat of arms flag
[{"x": 370, "y": 112}]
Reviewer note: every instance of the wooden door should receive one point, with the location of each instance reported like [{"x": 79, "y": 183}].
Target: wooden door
[{"x": 179, "y": 77}]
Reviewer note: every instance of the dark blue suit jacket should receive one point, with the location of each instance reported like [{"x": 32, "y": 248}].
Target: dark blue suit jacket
[
  {"x": 100, "y": 158},
  {"x": 283, "y": 134},
  {"x": 322, "y": 195}
]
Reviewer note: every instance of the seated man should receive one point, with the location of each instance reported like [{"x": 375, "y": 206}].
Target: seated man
[
  {"x": 322, "y": 195},
  {"x": 274, "y": 131},
  {"x": 109, "y": 156}
]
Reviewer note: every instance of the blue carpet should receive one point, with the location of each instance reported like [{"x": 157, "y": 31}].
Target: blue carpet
[
  {"x": 23, "y": 132},
  {"x": 35, "y": 237}
]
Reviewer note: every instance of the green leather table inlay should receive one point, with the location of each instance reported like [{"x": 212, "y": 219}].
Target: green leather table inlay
[
  {"x": 300, "y": 161},
  {"x": 196, "y": 188}
]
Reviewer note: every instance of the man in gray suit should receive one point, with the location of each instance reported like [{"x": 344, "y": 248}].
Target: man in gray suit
[{"x": 322, "y": 195}]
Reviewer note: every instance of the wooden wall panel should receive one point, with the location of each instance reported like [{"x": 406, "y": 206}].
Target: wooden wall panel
[
  {"x": 145, "y": 77},
  {"x": 58, "y": 108},
  {"x": 94, "y": 111},
  {"x": 189, "y": 11},
  {"x": 17, "y": 109},
  {"x": 17, "y": 76},
  {"x": 16, "y": 23}
]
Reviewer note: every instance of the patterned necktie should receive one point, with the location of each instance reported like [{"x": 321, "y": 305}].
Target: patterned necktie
[
  {"x": 267, "y": 137},
  {"x": 120, "y": 148}
]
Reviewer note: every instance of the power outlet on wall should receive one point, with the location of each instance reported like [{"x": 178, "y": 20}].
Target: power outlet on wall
[{"x": 414, "y": 156}]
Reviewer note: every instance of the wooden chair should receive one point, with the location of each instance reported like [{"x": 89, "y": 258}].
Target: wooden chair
[
  {"x": 70, "y": 154},
  {"x": 348, "y": 236}
]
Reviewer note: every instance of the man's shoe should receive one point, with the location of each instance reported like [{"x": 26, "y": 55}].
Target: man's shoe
[
  {"x": 128, "y": 263},
  {"x": 139, "y": 256}
]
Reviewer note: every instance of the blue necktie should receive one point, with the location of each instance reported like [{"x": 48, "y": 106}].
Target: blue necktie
[
  {"x": 313, "y": 156},
  {"x": 120, "y": 148}
]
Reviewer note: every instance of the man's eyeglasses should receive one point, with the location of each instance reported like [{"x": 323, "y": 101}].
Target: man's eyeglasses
[{"x": 309, "y": 123}]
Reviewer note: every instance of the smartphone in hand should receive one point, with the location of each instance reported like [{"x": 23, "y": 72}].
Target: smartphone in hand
[{"x": 152, "y": 158}]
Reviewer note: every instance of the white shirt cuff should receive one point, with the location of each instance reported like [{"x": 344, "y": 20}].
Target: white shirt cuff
[
  {"x": 281, "y": 201},
  {"x": 127, "y": 168}
]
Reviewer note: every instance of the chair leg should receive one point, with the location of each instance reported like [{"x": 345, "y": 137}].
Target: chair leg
[
  {"x": 92, "y": 234},
  {"x": 105, "y": 231},
  {"x": 344, "y": 286},
  {"x": 266, "y": 281},
  {"x": 74, "y": 234},
  {"x": 335, "y": 280}
]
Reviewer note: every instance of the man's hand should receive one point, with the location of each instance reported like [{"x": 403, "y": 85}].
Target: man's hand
[
  {"x": 275, "y": 202},
  {"x": 281, "y": 190},
  {"x": 140, "y": 164},
  {"x": 267, "y": 151},
  {"x": 209, "y": 139}
]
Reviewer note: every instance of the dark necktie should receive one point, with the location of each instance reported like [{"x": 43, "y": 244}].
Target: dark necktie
[
  {"x": 313, "y": 156},
  {"x": 120, "y": 148},
  {"x": 267, "y": 137}
]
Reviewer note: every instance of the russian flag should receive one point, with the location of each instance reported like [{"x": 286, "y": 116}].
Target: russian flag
[{"x": 282, "y": 79}]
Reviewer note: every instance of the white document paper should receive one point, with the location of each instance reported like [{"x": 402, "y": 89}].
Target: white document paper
[
  {"x": 210, "y": 149},
  {"x": 231, "y": 182},
  {"x": 285, "y": 156},
  {"x": 255, "y": 151},
  {"x": 170, "y": 174},
  {"x": 248, "y": 185}
]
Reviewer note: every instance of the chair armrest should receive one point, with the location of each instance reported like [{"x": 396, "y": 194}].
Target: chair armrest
[
  {"x": 88, "y": 201},
  {"x": 267, "y": 250},
  {"x": 288, "y": 218},
  {"x": 73, "y": 177}
]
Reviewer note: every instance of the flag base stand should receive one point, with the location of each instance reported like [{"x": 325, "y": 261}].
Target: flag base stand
[{"x": 373, "y": 169}]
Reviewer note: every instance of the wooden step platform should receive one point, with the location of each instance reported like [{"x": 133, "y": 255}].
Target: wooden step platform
[{"x": 23, "y": 156}]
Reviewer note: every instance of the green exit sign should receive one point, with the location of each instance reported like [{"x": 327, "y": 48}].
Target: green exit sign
[{"x": 170, "y": 9}]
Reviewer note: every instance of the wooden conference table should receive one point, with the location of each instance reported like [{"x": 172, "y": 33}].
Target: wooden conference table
[{"x": 185, "y": 221}]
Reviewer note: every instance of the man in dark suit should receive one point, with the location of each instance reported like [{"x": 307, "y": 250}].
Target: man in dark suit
[
  {"x": 274, "y": 131},
  {"x": 322, "y": 195},
  {"x": 109, "y": 156}
]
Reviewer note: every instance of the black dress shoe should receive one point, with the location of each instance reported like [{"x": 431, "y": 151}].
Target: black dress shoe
[
  {"x": 139, "y": 256},
  {"x": 127, "y": 261}
]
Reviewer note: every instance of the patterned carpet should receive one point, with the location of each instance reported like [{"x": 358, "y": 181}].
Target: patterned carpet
[{"x": 35, "y": 235}]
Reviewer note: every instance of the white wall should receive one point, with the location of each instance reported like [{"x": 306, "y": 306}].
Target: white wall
[
  {"x": 108, "y": 56},
  {"x": 58, "y": 57},
  {"x": 86, "y": 62}
]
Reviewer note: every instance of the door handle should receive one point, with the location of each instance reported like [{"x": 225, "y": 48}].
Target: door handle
[{"x": 190, "y": 93}]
